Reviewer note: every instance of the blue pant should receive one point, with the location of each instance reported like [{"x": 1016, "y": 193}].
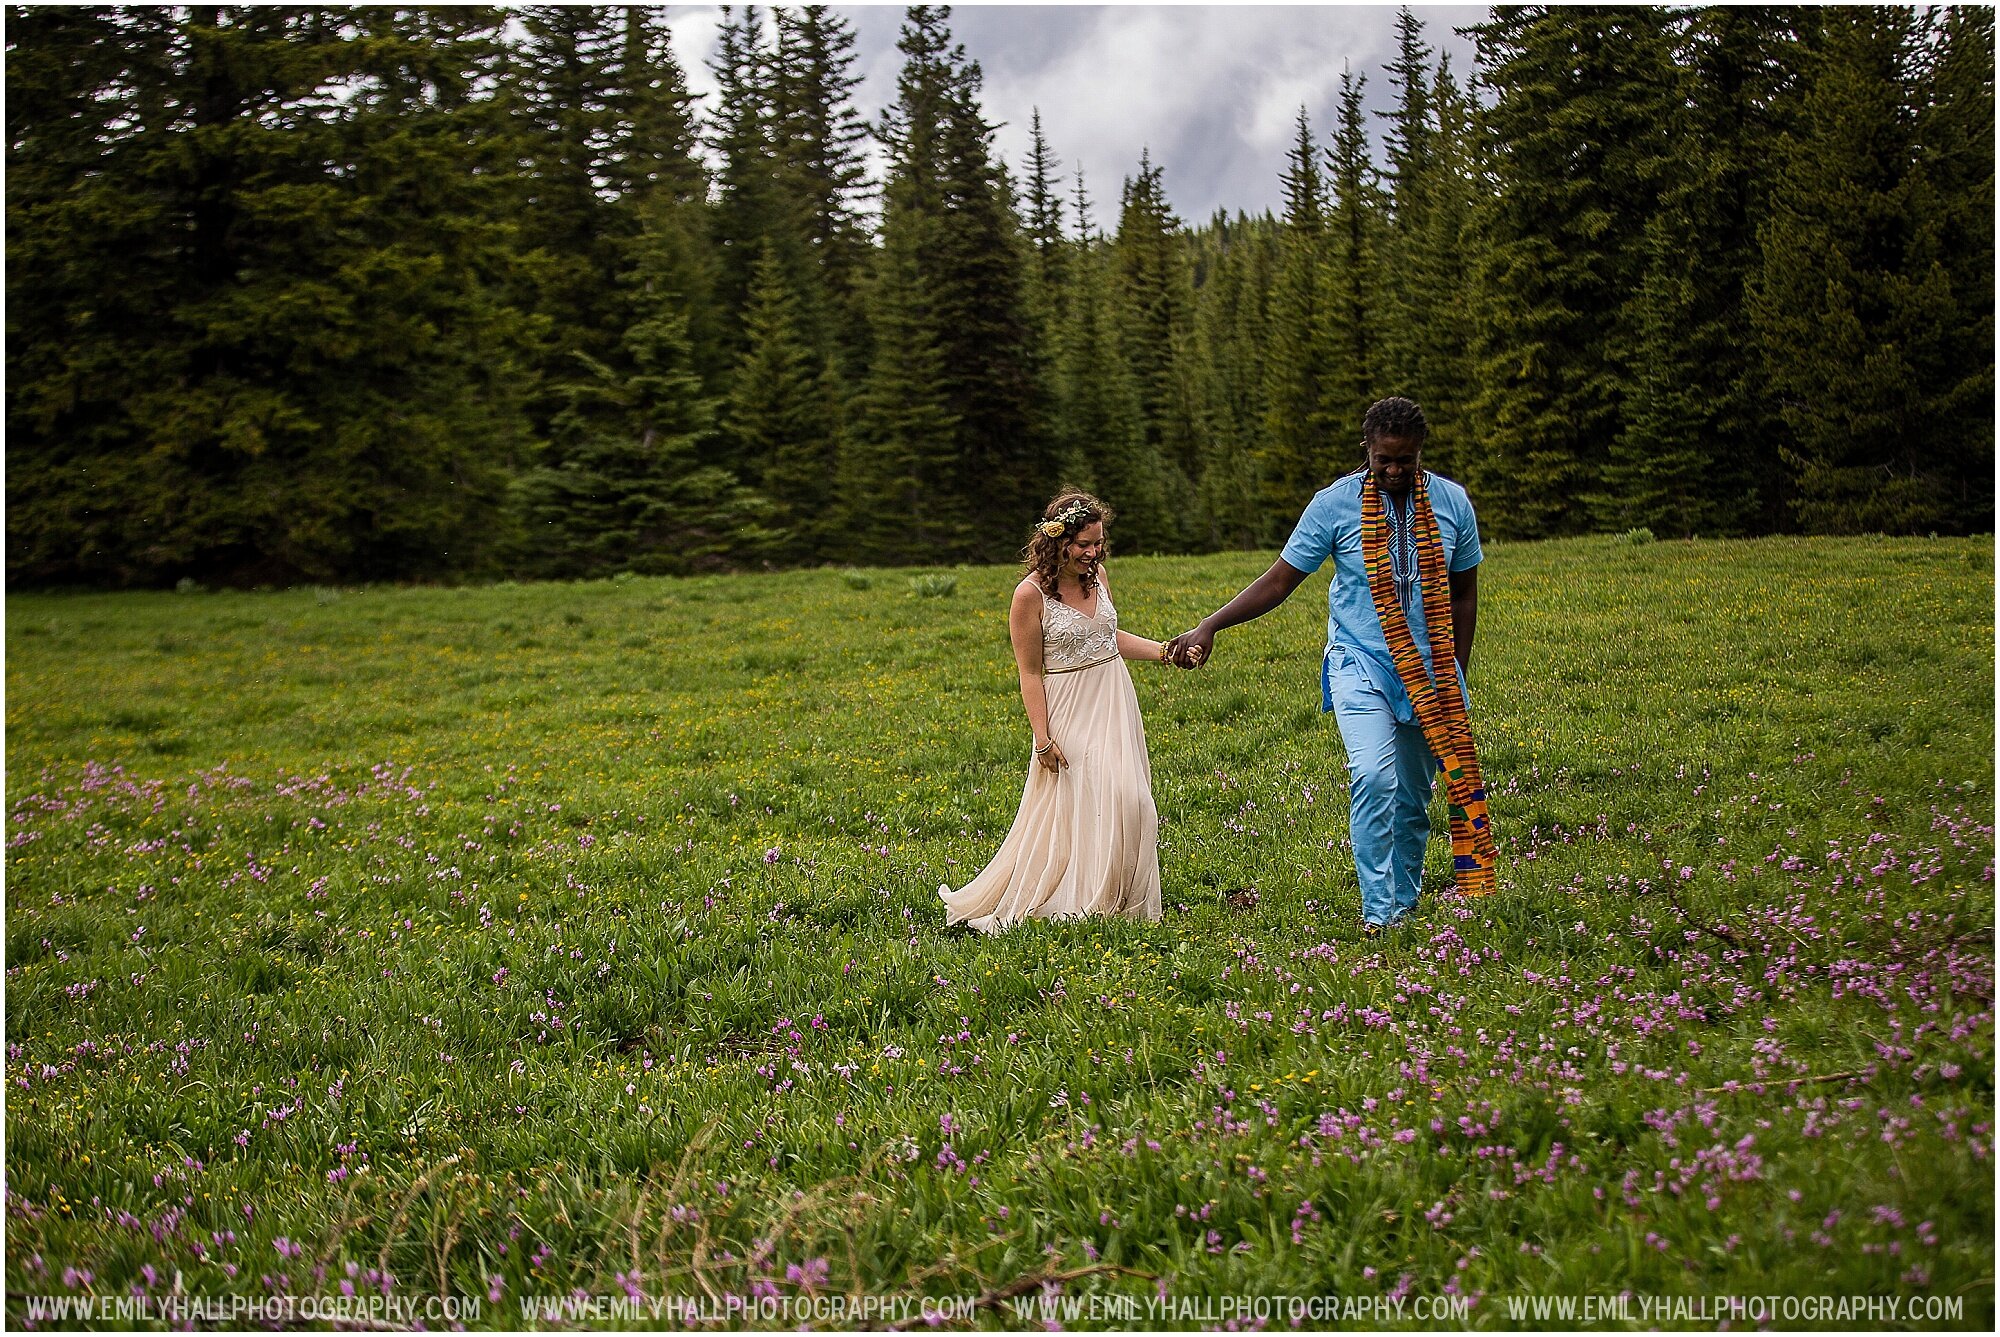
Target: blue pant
[{"x": 1389, "y": 773}]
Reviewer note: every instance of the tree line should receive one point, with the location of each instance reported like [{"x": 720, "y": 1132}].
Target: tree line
[{"x": 302, "y": 293}]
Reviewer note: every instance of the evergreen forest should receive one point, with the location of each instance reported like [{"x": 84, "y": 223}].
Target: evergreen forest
[{"x": 315, "y": 294}]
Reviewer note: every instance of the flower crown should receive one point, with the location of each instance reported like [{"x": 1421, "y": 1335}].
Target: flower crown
[{"x": 1074, "y": 514}]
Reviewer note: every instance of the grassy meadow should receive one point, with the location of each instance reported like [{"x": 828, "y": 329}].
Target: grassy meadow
[{"x": 583, "y": 940}]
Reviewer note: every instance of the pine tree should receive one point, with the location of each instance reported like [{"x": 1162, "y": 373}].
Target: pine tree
[
  {"x": 1423, "y": 265},
  {"x": 960, "y": 248},
  {"x": 660, "y": 183},
  {"x": 93, "y": 274},
  {"x": 992, "y": 365},
  {"x": 1435, "y": 265},
  {"x": 1073, "y": 463},
  {"x": 1854, "y": 303},
  {"x": 629, "y": 491},
  {"x": 1955, "y": 128},
  {"x": 251, "y": 337},
  {"x": 898, "y": 484},
  {"x": 1144, "y": 256},
  {"x": 1153, "y": 300},
  {"x": 1046, "y": 284},
  {"x": 1352, "y": 259},
  {"x": 1296, "y": 457},
  {"x": 1405, "y": 317},
  {"x": 1044, "y": 221},
  {"x": 900, "y": 493},
  {"x": 818, "y": 138},
  {"x": 1411, "y": 130},
  {"x": 1085, "y": 230},
  {"x": 1576, "y": 142},
  {"x": 1048, "y": 274},
  {"x": 617, "y": 223},
  {"x": 1235, "y": 261},
  {"x": 564, "y": 82},
  {"x": 751, "y": 202},
  {"x": 609, "y": 166},
  {"x": 1104, "y": 445},
  {"x": 1663, "y": 469},
  {"x": 655, "y": 140},
  {"x": 444, "y": 403},
  {"x": 1693, "y": 379},
  {"x": 784, "y": 414}
]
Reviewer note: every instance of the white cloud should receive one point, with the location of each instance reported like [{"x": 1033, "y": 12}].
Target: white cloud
[
  {"x": 1211, "y": 90},
  {"x": 692, "y": 32}
]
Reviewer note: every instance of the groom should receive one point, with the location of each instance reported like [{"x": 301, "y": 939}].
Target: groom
[{"x": 1405, "y": 593}]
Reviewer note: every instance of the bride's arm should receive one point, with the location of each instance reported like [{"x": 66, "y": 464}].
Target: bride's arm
[
  {"x": 1024, "y": 628},
  {"x": 1138, "y": 647}
]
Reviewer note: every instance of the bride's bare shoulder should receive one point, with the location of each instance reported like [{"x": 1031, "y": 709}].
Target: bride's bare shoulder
[{"x": 1029, "y": 591}]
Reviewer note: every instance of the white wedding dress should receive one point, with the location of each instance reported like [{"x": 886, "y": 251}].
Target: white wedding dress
[{"x": 1086, "y": 839}]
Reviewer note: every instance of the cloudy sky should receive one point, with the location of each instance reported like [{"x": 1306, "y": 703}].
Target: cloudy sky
[{"x": 1210, "y": 90}]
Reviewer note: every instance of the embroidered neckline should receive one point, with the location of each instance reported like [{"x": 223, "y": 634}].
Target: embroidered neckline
[{"x": 1103, "y": 596}]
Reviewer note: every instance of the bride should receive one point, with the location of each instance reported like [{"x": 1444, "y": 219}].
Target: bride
[{"x": 1086, "y": 838}]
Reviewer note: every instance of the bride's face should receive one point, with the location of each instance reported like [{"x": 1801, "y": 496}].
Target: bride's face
[{"x": 1084, "y": 550}]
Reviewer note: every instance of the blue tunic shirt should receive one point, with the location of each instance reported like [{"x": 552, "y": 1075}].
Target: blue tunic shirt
[{"x": 1357, "y": 654}]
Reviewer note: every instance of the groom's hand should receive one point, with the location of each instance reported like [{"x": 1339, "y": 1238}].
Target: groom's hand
[{"x": 1191, "y": 649}]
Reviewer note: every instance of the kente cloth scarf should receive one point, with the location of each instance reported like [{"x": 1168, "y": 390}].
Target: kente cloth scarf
[{"x": 1438, "y": 703}]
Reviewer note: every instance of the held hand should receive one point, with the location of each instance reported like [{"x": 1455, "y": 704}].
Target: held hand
[
  {"x": 1191, "y": 649},
  {"x": 1052, "y": 758}
]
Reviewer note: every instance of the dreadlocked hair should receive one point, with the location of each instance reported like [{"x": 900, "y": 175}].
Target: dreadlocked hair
[
  {"x": 1043, "y": 557},
  {"x": 1395, "y": 417}
]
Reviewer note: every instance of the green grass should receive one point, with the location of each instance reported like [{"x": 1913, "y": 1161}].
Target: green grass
[{"x": 514, "y": 940}]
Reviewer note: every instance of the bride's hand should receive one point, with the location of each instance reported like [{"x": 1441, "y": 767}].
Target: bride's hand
[
  {"x": 1052, "y": 757},
  {"x": 1189, "y": 649}
]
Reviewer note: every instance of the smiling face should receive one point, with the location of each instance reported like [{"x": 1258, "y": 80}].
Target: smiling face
[
  {"x": 1083, "y": 550},
  {"x": 1394, "y": 460}
]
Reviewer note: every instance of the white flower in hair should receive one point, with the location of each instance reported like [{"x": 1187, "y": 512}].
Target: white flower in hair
[{"x": 1074, "y": 514}]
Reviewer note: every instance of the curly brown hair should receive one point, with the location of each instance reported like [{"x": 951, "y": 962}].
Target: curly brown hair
[{"x": 1043, "y": 556}]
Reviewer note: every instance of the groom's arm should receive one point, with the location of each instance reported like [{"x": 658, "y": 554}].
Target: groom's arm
[
  {"x": 1464, "y": 614},
  {"x": 1257, "y": 598}
]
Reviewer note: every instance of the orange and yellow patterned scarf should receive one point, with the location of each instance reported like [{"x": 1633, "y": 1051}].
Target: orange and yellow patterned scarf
[{"x": 1439, "y": 705}]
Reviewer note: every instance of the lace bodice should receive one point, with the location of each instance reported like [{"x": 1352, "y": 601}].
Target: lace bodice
[{"x": 1072, "y": 641}]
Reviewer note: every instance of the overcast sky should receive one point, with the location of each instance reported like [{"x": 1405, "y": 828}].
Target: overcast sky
[{"x": 1211, "y": 90}]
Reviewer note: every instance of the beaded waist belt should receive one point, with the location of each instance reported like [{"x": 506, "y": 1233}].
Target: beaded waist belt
[{"x": 1078, "y": 668}]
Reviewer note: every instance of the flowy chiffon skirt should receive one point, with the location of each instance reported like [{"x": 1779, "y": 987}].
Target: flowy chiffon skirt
[{"x": 1086, "y": 839}]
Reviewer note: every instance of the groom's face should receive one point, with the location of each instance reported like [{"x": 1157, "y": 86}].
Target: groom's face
[{"x": 1394, "y": 460}]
